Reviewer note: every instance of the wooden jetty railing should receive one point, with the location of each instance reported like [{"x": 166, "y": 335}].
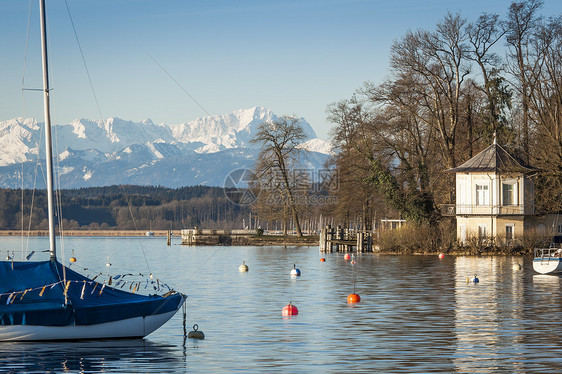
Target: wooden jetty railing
[{"x": 343, "y": 240}]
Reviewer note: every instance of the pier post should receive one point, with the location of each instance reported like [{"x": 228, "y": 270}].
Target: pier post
[
  {"x": 339, "y": 236},
  {"x": 323, "y": 236},
  {"x": 360, "y": 242},
  {"x": 329, "y": 238}
]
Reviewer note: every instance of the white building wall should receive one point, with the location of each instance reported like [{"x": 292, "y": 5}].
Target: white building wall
[{"x": 493, "y": 215}]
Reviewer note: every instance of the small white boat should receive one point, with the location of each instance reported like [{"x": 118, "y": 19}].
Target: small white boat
[{"x": 549, "y": 260}]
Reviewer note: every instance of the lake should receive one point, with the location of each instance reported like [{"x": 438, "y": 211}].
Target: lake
[{"x": 417, "y": 313}]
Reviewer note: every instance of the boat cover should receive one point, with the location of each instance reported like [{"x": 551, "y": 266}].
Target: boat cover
[{"x": 33, "y": 293}]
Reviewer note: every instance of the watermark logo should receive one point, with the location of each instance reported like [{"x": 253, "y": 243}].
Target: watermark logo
[
  {"x": 307, "y": 186},
  {"x": 236, "y": 186}
]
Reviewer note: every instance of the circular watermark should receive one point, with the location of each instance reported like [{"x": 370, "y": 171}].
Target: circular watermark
[{"x": 236, "y": 186}]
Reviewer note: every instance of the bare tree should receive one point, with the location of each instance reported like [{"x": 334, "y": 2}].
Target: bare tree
[
  {"x": 353, "y": 146},
  {"x": 385, "y": 147},
  {"x": 435, "y": 64},
  {"x": 398, "y": 136},
  {"x": 280, "y": 142},
  {"x": 522, "y": 19},
  {"x": 483, "y": 35},
  {"x": 545, "y": 110}
]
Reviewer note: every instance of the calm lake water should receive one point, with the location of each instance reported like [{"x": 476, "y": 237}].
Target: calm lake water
[{"x": 417, "y": 314}]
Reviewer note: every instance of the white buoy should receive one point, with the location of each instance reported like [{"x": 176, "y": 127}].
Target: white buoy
[
  {"x": 243, "y": 268},
  {"x": 108, "y": 263},
  {"x": 295, "y": 272}
]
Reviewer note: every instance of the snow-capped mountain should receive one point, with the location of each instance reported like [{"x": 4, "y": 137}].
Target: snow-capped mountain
[{"x": 116, "y": 151}]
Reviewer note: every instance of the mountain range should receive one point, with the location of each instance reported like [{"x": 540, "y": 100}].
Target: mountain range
[{"x": 90, "y": 153}]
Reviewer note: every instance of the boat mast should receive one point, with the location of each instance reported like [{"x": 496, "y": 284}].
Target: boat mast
[{"x": 48, "y": 147}]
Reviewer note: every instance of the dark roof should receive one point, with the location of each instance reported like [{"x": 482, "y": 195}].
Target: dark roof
[{"x": 493, "y": 159}]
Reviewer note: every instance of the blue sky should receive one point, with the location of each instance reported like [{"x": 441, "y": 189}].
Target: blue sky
[{"x": 293, "y": 57}]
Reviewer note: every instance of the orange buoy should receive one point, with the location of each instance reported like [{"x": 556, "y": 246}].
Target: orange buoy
[
  {"x": 353, "y": 298},
  {"x": 322, "y": 259},
  {"x": 346, "y": 256},
  {"x": 289, "y": 310},
  {"x": 73, "y": 259},
  {"x": 441, "y": 255}
]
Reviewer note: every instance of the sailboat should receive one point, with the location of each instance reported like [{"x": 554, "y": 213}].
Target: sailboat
[{"x": 46, "y": 300}]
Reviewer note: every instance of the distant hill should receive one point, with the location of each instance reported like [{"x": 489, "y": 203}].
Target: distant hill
[
  {"x": 115, "y": 151},
  {"x": 124, "y": 208}
]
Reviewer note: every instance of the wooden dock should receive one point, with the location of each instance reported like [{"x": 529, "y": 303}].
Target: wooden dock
[
  {"x": 216, "y": 237},
  {"x": 344, "y": 240}
]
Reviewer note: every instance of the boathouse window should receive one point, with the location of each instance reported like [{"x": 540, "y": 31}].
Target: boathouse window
[
  {"x": 507, "y": 194},
  {"x": 509, "y": 232},
  {"x": 482, "y": 197},
  {"x": 481, "y": 231}
]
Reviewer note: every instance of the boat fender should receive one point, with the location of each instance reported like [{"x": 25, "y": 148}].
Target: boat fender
[{"x": 196, "y": 334}]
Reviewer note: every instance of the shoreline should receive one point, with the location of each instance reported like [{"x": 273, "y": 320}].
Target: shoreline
[
  {"x": 268, "y": 240},
  {"x": 133, "y": 233},
  {"x": 257, "y": 241}
]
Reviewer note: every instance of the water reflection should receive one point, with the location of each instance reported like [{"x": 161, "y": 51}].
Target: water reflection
[
  {"x": 417, "y": 314},
  {"x": 103, "y": 356},
  {"x": 493, "y": 326},
  {"x": 546, "y": 284}
]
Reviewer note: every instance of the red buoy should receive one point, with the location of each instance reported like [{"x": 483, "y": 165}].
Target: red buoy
[
  {"x": 289, "y": 310},
  {"x": 346, "y": 256},
  {"x": 353, "y": 298},
  {"x": 322, "y": 259},
  {"x": 441, "y": 255}
]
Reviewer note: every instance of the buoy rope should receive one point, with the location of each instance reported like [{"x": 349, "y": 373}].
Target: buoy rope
[
  {"x": 200, "y": 266},
  {"x": 354, "y": 270},
  {"x": 184, "y": 309}
]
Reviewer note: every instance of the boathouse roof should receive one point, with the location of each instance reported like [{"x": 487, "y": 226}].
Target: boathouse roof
[{"x": 493, "y": 159}]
